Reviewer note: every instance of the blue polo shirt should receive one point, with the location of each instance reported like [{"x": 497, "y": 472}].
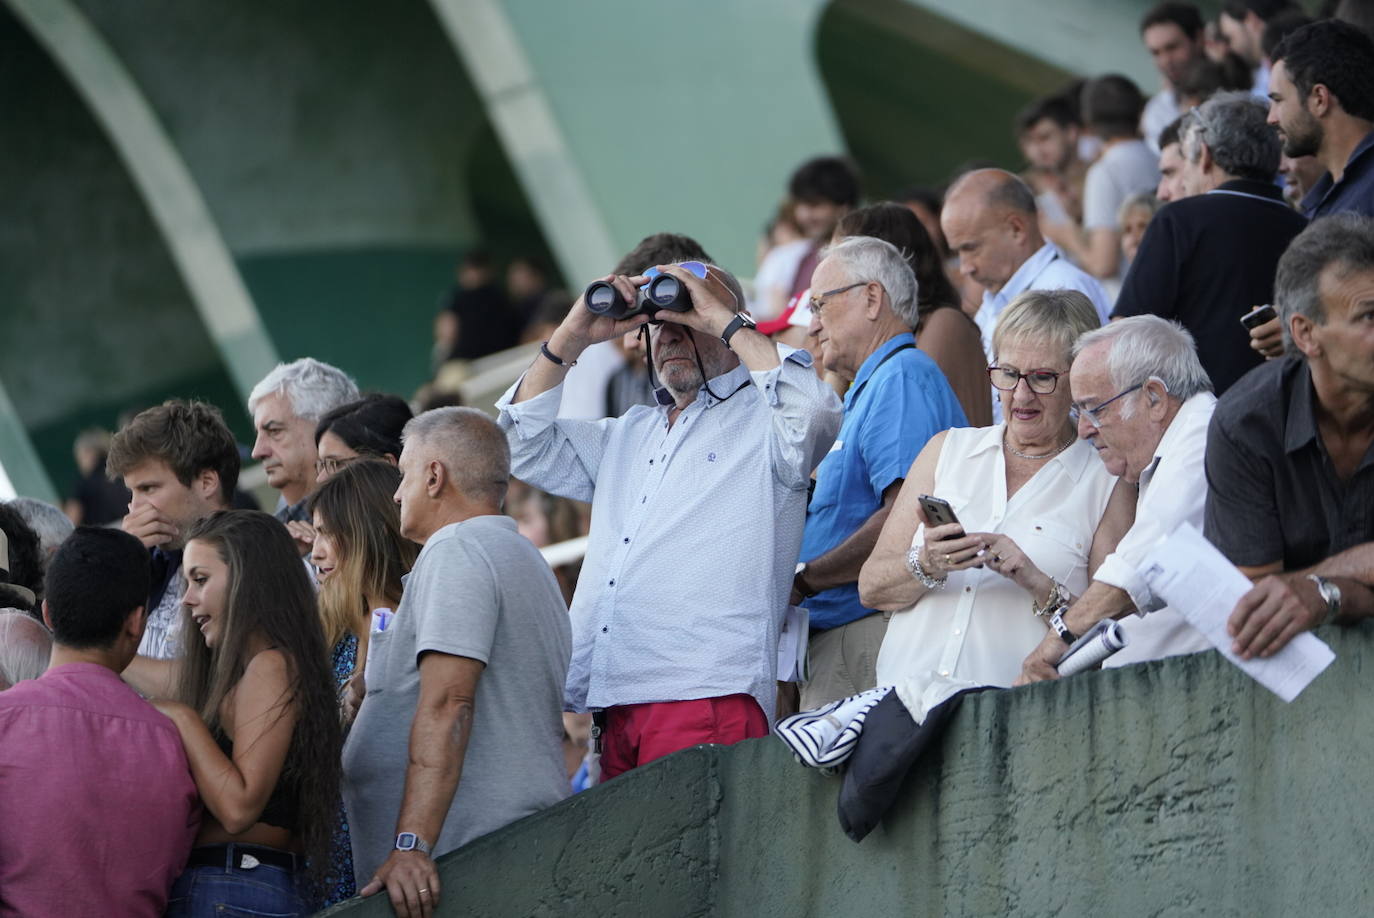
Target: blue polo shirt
[
  {"x": 899, "y": 400},
  {"x": 1354, "y": 193}
]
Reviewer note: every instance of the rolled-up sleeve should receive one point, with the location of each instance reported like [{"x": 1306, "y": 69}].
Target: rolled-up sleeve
[
  {"x": 558, "y": 456},
  {"x": 806, "y": 416}
]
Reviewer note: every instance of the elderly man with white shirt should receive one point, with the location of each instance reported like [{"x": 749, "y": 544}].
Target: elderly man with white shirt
[
  {"x": 991, "y": 223},
  {"x": 1144, "y": 402}
]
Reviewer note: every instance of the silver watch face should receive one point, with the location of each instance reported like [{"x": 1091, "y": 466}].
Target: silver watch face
[{"x": 407, "y": 841}]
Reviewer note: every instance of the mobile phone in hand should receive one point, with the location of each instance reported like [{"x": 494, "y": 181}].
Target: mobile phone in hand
[
  {"x": 937, "y": 510},
  {"x": 1258, "y": 316}
]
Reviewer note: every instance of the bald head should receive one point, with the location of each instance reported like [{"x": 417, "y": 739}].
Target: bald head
[
  {"x": 25, "y": 646},
  {"x": 990, "y": 221}
]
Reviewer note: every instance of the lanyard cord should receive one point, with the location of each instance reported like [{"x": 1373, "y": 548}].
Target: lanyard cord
[{"x": 653, "y": 378}]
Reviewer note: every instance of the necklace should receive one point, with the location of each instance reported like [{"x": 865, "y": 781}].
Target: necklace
[{"x": 1050, "y": 455}]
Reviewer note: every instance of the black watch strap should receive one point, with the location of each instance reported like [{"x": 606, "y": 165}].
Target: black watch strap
[
  {"x": 1057, "y": 623},
  {"x": 739, "y": 321}
]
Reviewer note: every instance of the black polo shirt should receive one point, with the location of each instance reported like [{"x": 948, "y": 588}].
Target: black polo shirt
[
  {"x": 1206, "y": 261},
  {"x": 1353, "y": 194},
  {"x": 1272, "y": 493}
]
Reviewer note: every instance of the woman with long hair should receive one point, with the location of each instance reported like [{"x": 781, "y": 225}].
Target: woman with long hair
[
  {"x": 257, "y": 714},
  {"x": 360, "y": 557}
]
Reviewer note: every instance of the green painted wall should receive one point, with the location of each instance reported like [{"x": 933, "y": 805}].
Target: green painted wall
[{"x": 1174, "y": 788}]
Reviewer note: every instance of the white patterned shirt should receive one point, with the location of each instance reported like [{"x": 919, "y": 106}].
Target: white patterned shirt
[{"x": 695, "y": 530}]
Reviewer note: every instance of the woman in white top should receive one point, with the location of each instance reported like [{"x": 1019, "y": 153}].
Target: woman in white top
[{"x": 1037, "y": 513}]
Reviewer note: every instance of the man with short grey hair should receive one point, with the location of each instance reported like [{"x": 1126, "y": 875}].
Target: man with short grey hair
[
  {"x": 863, "y": 309},
  {"x": 51, "y": 525},
  {"x": 1290, "y": 459},
  {"x": 1209, "y": 259},
  {"x": 285, "y": 405},
  {"x": 1144, "y": 402},
  {"x": 460, "y": 730},
  {"x": 25, "y": 645}
]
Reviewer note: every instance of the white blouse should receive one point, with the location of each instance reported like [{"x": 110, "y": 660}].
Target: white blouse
[{"x": 979, "y": 628}]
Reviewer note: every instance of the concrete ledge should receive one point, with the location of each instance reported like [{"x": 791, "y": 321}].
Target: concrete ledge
[{"x": 1168, "y": 789}]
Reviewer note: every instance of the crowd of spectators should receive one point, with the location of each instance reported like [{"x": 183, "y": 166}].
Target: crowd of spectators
[{"x": 940, "y": 432}]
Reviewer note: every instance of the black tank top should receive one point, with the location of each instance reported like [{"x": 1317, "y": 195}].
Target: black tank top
[{"x": 282, "y": 809}]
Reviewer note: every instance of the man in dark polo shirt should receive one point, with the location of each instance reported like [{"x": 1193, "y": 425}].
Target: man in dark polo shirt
[
  {"x": 1208, "y": 259},
  {"x": 1321, "y": 95},
  {"x": 1290, "y": 450}
]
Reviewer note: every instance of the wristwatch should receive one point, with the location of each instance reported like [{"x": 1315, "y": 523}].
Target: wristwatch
[
  {"x": 409, "y": 841},
  {"x": 799, "y": 582},
  {"x": 1331, "y": 595},
  {"x": 1057, "y": 623},
  {"x": 739, "y": 321}
]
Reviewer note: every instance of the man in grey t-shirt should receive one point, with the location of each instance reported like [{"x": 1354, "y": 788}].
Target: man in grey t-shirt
[{"x": 460, "y": 731}]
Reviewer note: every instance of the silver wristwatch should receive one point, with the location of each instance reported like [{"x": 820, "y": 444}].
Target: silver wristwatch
[
  {"x": 1330, "y": 594},
  {"x": 409, "y": 841}
]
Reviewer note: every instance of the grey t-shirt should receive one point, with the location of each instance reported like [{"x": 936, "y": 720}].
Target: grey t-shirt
[
  {"x": 1123, "y": 170},
  {"x": 480, "y": 590}
]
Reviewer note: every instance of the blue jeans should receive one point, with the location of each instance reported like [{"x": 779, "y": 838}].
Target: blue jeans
[{"x": 234, "y": 891}]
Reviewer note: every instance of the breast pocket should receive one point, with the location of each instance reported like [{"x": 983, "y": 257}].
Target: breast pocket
[
  {"x": 376, "y": 666},
  {"x": 1060, "y": 551}
]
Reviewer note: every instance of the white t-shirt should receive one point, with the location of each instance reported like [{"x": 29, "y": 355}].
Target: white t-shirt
[
  {"x": 773, "y": 280},
  {"x": 1126, "y": 168}
]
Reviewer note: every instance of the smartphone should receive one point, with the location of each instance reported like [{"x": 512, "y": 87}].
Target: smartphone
[
  {"x": 1258, "y": 316},
  {"x": 938, "y": 511}
]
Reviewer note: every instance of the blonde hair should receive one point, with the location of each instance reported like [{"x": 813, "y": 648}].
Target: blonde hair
[{"x": 1054, "y": 317}]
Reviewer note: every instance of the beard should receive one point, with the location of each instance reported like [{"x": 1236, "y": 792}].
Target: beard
[{"x": 1303, "y": 138}]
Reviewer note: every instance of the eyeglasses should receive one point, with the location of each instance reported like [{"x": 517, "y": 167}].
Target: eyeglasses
[
  {"x": 818, "y": 302},
  {"x": 1041, "y": 381},
  {"x": 331, "y": 467},
  {"x": 1094, "y": 414}
]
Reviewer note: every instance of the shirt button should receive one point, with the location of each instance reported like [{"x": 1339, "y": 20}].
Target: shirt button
[
  {"x": 603, "y": 629},
  {"x": 943, "y": 672},
  {"x": 612, "y": 583},
  {"x": 957, "y": 632},
  {"x": 968, "y": 589},
  {"x": 651, "y": 462},
  {"x": 627, "y": 540}
]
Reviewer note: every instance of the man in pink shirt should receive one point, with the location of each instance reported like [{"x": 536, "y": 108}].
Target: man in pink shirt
[{"x": 99, "y": 808}]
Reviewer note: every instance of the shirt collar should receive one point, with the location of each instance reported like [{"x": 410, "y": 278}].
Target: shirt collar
[
  {"x": 1179, "y": 428},
  {"x": 725, "y": 384},
  {"x": 1073, "y": 459},
  {"x": 1025, "y": 275},
  {"x": 1324, "y": 186},
  {"x": 1300, "y": 426},
  {"x": 867, "y": 368},
  {"x": 1249, "y": 186}
]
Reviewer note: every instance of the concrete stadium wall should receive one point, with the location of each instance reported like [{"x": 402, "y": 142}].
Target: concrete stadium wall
[{"x": 1174, "y": 788}]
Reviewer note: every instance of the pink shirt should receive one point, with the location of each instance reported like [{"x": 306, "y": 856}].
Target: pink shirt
[{"x": 98, "y": 809}]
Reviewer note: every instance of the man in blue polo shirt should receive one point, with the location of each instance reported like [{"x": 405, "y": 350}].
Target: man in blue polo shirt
[{"x": 864, "y": 307}]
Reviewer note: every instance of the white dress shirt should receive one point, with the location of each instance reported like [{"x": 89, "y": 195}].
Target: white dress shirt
[
  {"x": 1173, "y": 490},
  {"x": 695, "y": 530},
  {"x": 1159, "y": 113},
  {"x": 1047, "y": 269},
  {"x": 980, "y": 626}
]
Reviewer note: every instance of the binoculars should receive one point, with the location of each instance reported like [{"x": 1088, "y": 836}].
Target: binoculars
[{"x": 661, "y": 291}]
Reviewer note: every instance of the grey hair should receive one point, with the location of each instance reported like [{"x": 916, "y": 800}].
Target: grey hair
[
  {"x": 1148, "y": 347},
  {"x": 732, "y": 284},
  {"x": 867, "y": 258},
  {"x": 469, "y": 444},
  {"x": 313, "y": 388},
  {"x": 1235, "y": 129},
  {"x": 51, "y": 524},
  {"x": 1141, "y": 200},
  {"x": 1055, "y": 317},
  {"x": 1344, "y": 240},
  {"x": 25, "y": 646}
]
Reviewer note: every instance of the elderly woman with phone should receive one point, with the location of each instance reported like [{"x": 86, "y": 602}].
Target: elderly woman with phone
[{"x": 1034, "y": 513}]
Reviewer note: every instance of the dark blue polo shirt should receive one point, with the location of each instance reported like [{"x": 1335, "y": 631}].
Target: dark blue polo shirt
[
  {"x": 899, "y": 400},
  {"x": 1353, "y": 194}
]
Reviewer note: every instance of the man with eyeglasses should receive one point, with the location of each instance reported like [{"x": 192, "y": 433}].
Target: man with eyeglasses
[
  {"x": 1144, "y": 403},
  {"x": 898, "y": 400},
  {"x": 1209, "y": 259}
]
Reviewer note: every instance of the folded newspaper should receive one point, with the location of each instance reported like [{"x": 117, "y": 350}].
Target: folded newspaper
[{"x": 1097, "y": 644}]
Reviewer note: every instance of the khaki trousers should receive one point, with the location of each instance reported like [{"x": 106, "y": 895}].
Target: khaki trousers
[{"x": 843, "y": 661}]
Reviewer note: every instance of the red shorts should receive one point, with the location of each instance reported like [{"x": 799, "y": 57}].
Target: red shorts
[{"x": 636, "y": 734}]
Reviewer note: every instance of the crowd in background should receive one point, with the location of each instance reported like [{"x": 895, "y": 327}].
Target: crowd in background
[{"x": 939, "y": 433}]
